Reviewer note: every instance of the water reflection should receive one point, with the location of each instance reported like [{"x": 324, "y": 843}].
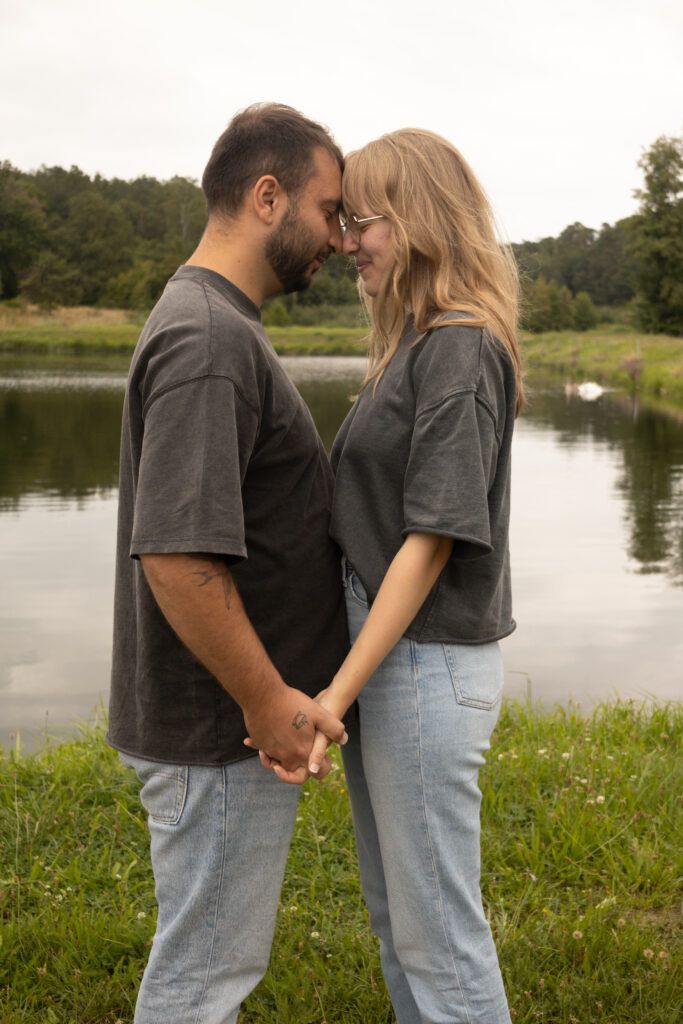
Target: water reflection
[
  {"x": 649, "y": 446},
  {"x": 597, "y": 537}
]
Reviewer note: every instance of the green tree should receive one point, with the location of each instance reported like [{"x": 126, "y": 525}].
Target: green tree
[
  {"x": 537, "y": 304},
  {"x": 658, "y": 237},
  {"x": 22, "y": 228},
  {"x": 51, "y": 282},
  {"x": 585, "y": 314}
]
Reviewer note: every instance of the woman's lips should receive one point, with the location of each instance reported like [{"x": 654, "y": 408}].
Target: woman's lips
[{"x": 361, "y": 266}]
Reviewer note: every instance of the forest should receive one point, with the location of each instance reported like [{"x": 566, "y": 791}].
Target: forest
[{"x": 70, "y": 239}]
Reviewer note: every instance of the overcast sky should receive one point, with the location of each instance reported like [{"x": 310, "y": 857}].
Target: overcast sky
[{"x": 551, "y": 102}]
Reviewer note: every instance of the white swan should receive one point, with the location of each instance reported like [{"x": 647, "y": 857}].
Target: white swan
[{"x": 589, "y": 390}]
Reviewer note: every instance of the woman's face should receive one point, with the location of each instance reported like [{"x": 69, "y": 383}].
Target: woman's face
[{"x": 370, "y": 245}]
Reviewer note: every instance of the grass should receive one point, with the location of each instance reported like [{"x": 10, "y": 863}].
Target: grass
[
  {"x": 582, "y": 881},
  {"x": 86, "y": 330},
  {"x": 651, "y": 364},
  {"x": 614, "y": 355}
]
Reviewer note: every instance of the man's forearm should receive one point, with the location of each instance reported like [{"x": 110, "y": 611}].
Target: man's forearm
[
  {"x": 198, "y": 597},
  {"x": 200, "y": 601}
]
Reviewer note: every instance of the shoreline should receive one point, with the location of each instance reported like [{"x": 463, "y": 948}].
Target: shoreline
[{"x": 648, "y": 366}]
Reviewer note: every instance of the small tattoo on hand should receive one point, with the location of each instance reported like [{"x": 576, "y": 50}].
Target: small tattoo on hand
[{"x": 299, "y": 720}]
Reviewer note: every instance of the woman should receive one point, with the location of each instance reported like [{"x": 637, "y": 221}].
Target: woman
[{"x": 421, "y": 512}]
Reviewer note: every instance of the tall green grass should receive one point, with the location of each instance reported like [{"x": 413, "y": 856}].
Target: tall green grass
[{"x": 582, "y": 880}]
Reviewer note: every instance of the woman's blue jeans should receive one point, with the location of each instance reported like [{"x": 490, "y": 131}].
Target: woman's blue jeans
[{"x": 426, "y": 717}]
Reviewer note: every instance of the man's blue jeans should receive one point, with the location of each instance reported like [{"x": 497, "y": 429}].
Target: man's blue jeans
[
  {"x": 219, "y": 843},
  {"x": 426, "y": 716}
]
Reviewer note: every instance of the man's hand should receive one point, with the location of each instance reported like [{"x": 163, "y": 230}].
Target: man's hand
[
  {"x": 318, "y": 764},
  {"x": 285, "y": 728}
]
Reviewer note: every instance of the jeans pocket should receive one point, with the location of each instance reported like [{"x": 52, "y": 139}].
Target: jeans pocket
[
  {"x": 164, "y": 788},
  {"x": 477, "y": 674},
  {"x": 357, "y": 590}
]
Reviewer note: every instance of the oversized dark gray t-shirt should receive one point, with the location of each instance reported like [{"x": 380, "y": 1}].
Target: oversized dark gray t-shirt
[
  {"x": 429, "y": 452},
  {"x": 219, "y": 454}
]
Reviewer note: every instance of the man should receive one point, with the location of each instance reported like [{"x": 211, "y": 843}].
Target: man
[{"x": 229, "y": 614}]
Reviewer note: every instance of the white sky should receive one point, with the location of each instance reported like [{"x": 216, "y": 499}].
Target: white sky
[{"x": 552, "y": 102}]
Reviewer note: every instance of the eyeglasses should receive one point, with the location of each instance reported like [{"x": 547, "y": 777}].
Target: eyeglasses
[{"x": 355, "y": 226}]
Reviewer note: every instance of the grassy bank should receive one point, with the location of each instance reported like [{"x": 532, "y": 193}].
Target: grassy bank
[
  {"x": 614, "y": 356},
  {"x": 582, "y": 880},
  {"x": 106, "y": 331}
]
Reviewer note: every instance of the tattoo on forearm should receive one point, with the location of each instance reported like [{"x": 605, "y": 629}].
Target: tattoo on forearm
[
  {"x": 222, "y": 573},
  {"x": 299, "y": 720}
]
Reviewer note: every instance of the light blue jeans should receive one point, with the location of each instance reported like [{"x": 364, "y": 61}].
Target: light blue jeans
[
  {"x": 219, "y": 843},
  {"x": 426, "y": 716}
]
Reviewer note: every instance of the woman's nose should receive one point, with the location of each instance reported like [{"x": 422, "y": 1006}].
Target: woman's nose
[{"x": 349, "y": 242}]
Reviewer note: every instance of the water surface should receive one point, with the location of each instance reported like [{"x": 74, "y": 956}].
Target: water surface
[{"x": 597, "y": 539}]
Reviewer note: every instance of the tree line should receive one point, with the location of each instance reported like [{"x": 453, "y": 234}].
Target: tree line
[{"x": 69, "y": 239}]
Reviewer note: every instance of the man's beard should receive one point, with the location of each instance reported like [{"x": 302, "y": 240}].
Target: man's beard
[{"x": 290, "y": 252}]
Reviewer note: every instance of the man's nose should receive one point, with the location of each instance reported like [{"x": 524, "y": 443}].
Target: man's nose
[{"x": 336, "y": 238}]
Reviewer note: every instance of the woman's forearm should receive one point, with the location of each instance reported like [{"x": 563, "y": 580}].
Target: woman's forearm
[{"x": 411, "y": 575}]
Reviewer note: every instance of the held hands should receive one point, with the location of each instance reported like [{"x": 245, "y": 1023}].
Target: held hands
[{"x": 320, "y": 727}]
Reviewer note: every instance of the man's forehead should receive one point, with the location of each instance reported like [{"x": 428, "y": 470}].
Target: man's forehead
[{"x": 326, "y": 177}]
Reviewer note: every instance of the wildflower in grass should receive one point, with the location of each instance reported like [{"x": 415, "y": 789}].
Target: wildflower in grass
[
  {"x": 321, "y": 839},
  {"x": 293, "y": 910},
  {"x": 566, "y": 755},
  {"x": 621, "y": 923},
  {"x": 141, "y": 915},
  {"x": 577, "y": 935},
  {"x": 600, "y": 799},
  {"x": 315, "y": 935},
  {"x": 648, "y": 953},
  {"x": 542, "y": 751},
  {"x": 42, "y": 972},
  {"x": 663, "y": 955}
]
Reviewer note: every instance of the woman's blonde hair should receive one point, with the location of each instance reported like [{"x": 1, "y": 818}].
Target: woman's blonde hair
[{"x": 446, "y": 255}]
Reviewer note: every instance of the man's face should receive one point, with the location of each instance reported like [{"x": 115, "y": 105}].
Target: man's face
[{"x": 309, "y": 229}]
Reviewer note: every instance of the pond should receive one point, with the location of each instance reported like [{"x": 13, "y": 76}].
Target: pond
[{"x": 597, "y": 539}]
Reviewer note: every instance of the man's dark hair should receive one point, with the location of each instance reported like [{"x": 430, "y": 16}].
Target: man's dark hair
[{"x": 266, "y": 138}]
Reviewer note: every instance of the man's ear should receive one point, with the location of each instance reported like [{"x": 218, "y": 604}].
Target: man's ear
[{"x": 268, "y": 198}]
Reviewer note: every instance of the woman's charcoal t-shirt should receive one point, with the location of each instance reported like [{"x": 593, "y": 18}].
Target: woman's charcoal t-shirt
[{"x": 428, "y": 451}]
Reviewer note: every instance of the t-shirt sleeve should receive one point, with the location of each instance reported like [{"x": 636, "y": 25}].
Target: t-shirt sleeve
[
  {"x": 196, "y": 445},
  {"x": 450, "y": 469}
]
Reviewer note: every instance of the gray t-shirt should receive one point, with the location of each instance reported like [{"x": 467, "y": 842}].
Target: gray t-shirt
[
  {"x": 219, "y": 454},
  {"x": 430, "y": 453}
]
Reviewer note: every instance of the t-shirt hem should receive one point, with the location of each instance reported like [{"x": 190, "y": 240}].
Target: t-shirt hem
[
  {"x": 483, "y": 546},
  {"x": 198, "y": 760},
  {"x": 231, "y": 548},
  {"x": 417, "y": 635}
]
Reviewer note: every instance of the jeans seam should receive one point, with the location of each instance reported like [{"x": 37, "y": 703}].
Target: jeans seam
[
  {"x": 219, "y": 889},
  {"x": 442, "y": 916}
]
